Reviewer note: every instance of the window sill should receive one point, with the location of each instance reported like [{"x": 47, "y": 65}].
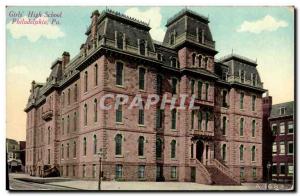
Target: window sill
[
  {"x": 140, "y": 125},
  {"x": 174, "y": 130},
  {"x": 120, "y": 86},
  {"x": 119, "y": 123},
  {"x": 119, "y": 156},
  {"x": 142, "y": 157}
]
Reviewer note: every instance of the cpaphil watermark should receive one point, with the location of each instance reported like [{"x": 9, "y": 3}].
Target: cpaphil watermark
[{"x": 179, "y": 102}]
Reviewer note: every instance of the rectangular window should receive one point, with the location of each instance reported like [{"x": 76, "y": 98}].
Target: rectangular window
[
  {"x": 274, "y": 170},
  {"x": 141, "y": 117},
  {"x": 290, "y": 147},
  {"x": 282, "y": 169},
  {"x": 253, "y": 128},
  {"x": 160, "y": 115},
  {"x": 94, "y": 170},
  {"x": 192, "y": 86},
  {"x": 173, "y": 172},
  {"x": 242, "y": 101},
  {"x": 192, "y": 119},
  {"x": 254, "y": 172},
  {"x": 119, "y": 74},
  {"x": 282, "y": 148},
  {"x": 119, "y": 114},
  {"x": 290, "y": 170},
  {"x": 274, "y": 148},
  {"x": 206, "y": 91},
  {"x": 119, "y": 171},
  {"x": 73, "y": 170},
  {"x": 67, "y": 170},
  {"x": 48, "y": 156},
  {"x": 224, "y": 99},
  {"x": 282, "y": 129},
  {"x": 159, "y": 84},
  {"x": 274, "y": 129},
  {"x": 199, "y": 90},
  {"x": 174, "y": 86},
  {"x": 142, "y": 78},
  {"x": 253, "y": 102},
  {"x": 173, "y": 116},
  {"x": 242, "y": 172},
  {"x": 141, "y": 171},
  {"x": 83, "y": 171},
  {"x": 290, "y": 127}
]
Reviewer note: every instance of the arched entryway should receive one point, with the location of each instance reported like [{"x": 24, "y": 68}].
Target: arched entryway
[{"x": 199, "y": 150}]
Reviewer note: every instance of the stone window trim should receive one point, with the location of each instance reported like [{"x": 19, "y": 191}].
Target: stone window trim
[
  {"x": 242, "y": 151},
  {"x": 200, "y": 57},
  {"x": 255, "y": 128},
  {"x": 85, "y": 82},
  {"x": 194, "y": 56},
  {"x": 253, "y": 103},
  {"x": 253, "y": 154},
  {"x": 123, "y": 73},
  {"x": 224, "y": 131},
  {"x": 141, "y": 146},
  {"x": 145, "y": 77},
  {"x": 122, "y": 144},
  {"x": 242, "y": 101},
  {"x": 96, "y": 75},
  {"x": 242, "y": 127}
]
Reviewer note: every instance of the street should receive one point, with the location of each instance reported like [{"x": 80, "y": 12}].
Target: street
[{"x": 22, "y": 185}]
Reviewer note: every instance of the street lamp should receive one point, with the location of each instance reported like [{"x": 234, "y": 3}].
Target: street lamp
[
  {"x": 100, "y": 153},
  {"x": 268, "y": 174}
]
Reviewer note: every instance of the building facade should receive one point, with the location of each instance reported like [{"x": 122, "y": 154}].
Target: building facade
[
  {"x": 280, "y": 142},
  {"x": 15, "y": 151},
  {"x": 220, "y": 143}
]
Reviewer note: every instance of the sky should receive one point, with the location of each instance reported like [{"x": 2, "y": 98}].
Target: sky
[{"x": 262, "y": 33}]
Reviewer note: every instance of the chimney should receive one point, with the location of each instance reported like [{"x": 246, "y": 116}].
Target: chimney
[
  {"x": 32, "y": 86},
  {"x": 65, "y": 59},
  {"x": 94, "y": 18}
]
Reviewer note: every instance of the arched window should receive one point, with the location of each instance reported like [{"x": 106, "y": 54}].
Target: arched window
[
  {"x": 63, "y": 99},
  {"x": 241, "y": 152},
  {"x": 199, "y": 60},
  {"x": 173, "y": 149},
  {"x": 68, "y": 150},
  {"x": 199, "y": 119},
  {"x": 96, "y": 75},
  {"x": 118, "y": 144},
  {"x": 241, "y": 126},
  {"x": 49, "y": 135},
  {"x": 206, "y": 91},
  {"x": 62, "y": 125},
  {"x": 68, "y": 124},
  {"x": 173, "y": 115},
  {"x": 224, "y": 125},
  {"x": 224, "y": 152},
  {"x": 74, "y": 149},
  {"x": 95, "y": 110},
  {"x": 253, "y": 153},
  {"x": 62, "y": 151},
  {"x": 141, "y": 146},
  {"x": 69, "y": 96},
  {"x": 158, "y": 148},
  {"x": 206, "y": 62},
  {"x": 84, "y": 146},
  {"x": 253, "y": 128},
  {"x": 242, "y": 76},
  {"x": 85, "y": 114},
  {"x": 206, "y": 120},
  {"x": 142, "y": 47},
  {"x": 85, "y": 81},
  {"x": 193, "y": 58},
  {"x": 75, "y": 92},
  {"x": 75, "y": 121},
  {"x": 95, "y": 144}
]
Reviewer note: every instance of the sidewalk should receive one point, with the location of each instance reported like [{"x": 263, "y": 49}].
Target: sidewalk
[{"x": 115, "y": 185}]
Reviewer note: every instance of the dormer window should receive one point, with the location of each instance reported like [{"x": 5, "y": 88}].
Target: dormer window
[
  {"x": 282, "y": 110},
  {"x": 242, "y": 75},
  {"x": 224, "y": 76},
  {"x": 119, "y": 40},
  {"x": 253, "y": 79},
  {"x": 172, "y": 39},
  {"x": 159, "y": 56},
  {"x": 142, "y": 47}
]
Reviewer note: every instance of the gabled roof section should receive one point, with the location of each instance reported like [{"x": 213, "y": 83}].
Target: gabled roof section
[{"x": 288, "y": 108}]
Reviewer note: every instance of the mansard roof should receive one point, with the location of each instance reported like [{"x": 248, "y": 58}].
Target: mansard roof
[
  {"x": 288, "y": 106},
  {"x": 188, "y": 26}
]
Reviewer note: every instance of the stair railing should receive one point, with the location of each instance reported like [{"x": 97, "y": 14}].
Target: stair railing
[
  {"x": 204, "y": 171},
  {"x": 225, "y": 170}
]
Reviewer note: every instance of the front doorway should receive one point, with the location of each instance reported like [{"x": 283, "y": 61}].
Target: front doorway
[
  {"x": 199, "y": 150},
  {"x": 193, "y": 174}
]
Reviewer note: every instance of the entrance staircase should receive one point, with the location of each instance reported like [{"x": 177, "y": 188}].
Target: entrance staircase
[{"x": 215, "y": 173}]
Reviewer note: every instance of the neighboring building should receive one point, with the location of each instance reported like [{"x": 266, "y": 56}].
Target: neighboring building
[
  {"x": 13, "y": 155},
  {"x": 22, "y": 145},
  {"x": 281, "y": 141},
  {"x": 220, "y": 143}
]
